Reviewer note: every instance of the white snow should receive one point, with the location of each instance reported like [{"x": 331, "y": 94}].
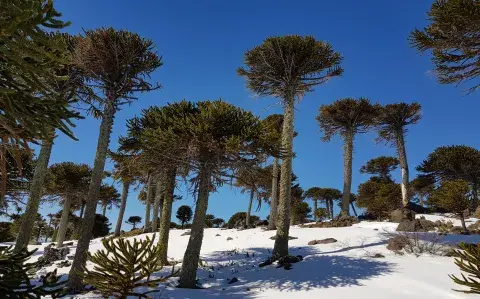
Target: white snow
[{"x": 340, "y": 270}]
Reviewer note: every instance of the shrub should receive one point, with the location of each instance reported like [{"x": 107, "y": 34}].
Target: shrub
[
  {"x": 15, "y": 282},
  {"x": 240, "y": 217},
  {"x": 300, "y": 212},
  {"x": 101, "y": 227},
  {"x": 321, "y": 214},
  {"x": 419, "y": 243},
  {"x": 379, "y": 197},
  {"x": 124, "y": 266},
  {"x": 133, "y": 232},
  {"x": 468, "y": 260}
]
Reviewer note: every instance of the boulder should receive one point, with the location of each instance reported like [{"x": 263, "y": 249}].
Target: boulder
[
  {"x": 261, "y": 223},
  {"x": 400, "y": 215},
  {"x": 233, "y": 280},
  {"x": 396, "y": 243},
  {"x": 229, "y": 239},
  {"x": 417, "y": 225},
  {"x": 186, "y": 234},
  {"x": 340, "y": 221},
  {"x": 323, "y": 241},
  {"x": 51, "y": 254}
]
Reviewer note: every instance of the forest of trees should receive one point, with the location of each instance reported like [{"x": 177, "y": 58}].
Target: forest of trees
[{"x": 204, "y": 143}]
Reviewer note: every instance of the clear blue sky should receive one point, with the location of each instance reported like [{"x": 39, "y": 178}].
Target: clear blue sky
[{"x": 203, "y": 42}]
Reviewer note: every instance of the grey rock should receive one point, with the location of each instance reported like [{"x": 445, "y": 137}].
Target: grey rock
[
  {"x": 186, "y": 234},
  {"x": 400, "y": 215},
  {"x": 323, "y": 241}
]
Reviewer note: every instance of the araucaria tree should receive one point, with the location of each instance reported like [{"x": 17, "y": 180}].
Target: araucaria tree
[
  {"x": 326, "y": 194},
  {"x": 453, "y": 196},
  {"x": 453, "y": 37},
  {"x": 381, "y": 166},
  {"x": 250, "y": 181},
  {"x": 69, "y": 182},
  {"x": 392, "y": 122},
  {"x": 287, "y": 67},
  {"x": 116, "y": 63},
  {"x": 346, "y": 117},
  {"x": 457, "y": 162},
  {"x": 184, "y": 215},
  {"x": 134, "y": 220}
]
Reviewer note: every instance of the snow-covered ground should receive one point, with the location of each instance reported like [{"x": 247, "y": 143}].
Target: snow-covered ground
[{"x": 340, "y": 270}]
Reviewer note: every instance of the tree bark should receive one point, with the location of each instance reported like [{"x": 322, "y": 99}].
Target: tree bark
[
  {"x": 150, "y": 195},
  {"x": 156, "y": 204},
  {"x": 462, "y": 219},
  {"x": 36, "y": 192},
  {"x": 280, "y": 248},
  {"x": 123, "y": 205},
  {"x": 315, "y": 208},
  {"x": 49, "y": 226},
  {"x": 272, "y": 222},
  {"x": 347, "y": 173},
  {"x": 327, "y": 205},
  {"x": 188, "y": 274},
  {"x": 249, "y": 211},
  {"x": 82, "y": 210},
  {"x": 75, "y": 279},
  {"x": 62, "y": 230},
  {"x": 402, "y": 157},
  {"x": 353, "y": 209},
  {"x": 166, "y": 215},
  {"x": 104, "y": 210}
]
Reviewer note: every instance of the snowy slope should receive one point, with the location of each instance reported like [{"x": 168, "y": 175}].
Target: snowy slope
[{"x": 339, "y": 270}]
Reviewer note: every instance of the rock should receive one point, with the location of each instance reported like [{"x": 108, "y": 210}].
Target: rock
[
  {"x": 64, "y": 264},
  {"x": 375, "y": 229},
  {"x": 417, "y": 225},
  {"x": 378, "y": 256},
  {"x": 218, "y": 235},
  {"x": 186, "y": 234},
  {"x": 397, "y": 243},
  {"x": 70, "y": 257},
  {"x": 289, "y": 237},
  {"x": 68, "y": 244},
  {"x": 233, "y": 280},
  {"x": 323, "y": 241},
  {"x": 229, "y": 239},
  {"x": 51, "y": 254},
  {"x": 261, "y": 223},
  {"x": 400, "y": 215},
  {"x": 340, "y": 221}
]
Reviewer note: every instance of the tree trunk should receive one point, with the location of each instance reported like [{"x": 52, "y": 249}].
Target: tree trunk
[
  {"x": 188, "y": 274},
  {"x": 104, "y": 210},
  {"x": 315, "y": 208},
  {"x": 353, "y": 209},
  {"x": 123, "y": 205},
  {"x": 75, "y": 279},
  {"x": 36, "y": 192},
  {"x": 327, "y": 206},
  {"x": 475, "y": 196},
  {"x": 49, "y": 226},
  {"x": 347, "y": 173},
  {"x": 272, "y": 222},
  {"x": 62, "y": 230},
  {"x": 402, "y": 157},
  {"x": 38, "y": 233},
  {"x": 280, "y": 248},
  {"x": 150, "y": 195},
  {"x": 331, "y": 208},
  {"x": 462, "y": 219},
  {"x": 156, "y": 204},
  {"x": 249, "y": 211},
  {"x": 166, "y": 215},
  {"x": 82, "y": 210}
]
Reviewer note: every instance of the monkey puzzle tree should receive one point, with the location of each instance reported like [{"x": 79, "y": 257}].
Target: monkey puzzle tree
[
  {"x": 315, "y": 194},
  {"x": 422, "y": 186},
  {"x": 118, "y": 64},
  {"x": 326, "y": 194},
  {"x": 134, "y": 220},
  {"x": 68, "y": 182},
  {"x": 249, "y": 180},
  {"x": 125, "y": 172},
  {"x": 346, "y": 117},
  {"x": 453, "y": 36},
  {"x": 212, "y": 137},
  {"x": 108, "y": 198},
  {"x": 381, "y": 166},
  {"x": 453, "y": 197},
  {"x": 457, "y": 162},
  {"x": 288, "y": 67},
  {"x": 184, "y": 214},
  {"x": 392, "y": 122}
]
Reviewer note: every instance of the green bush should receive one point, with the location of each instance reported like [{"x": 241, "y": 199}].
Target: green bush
[
  {"x": 124, "y": 266},
  {"x": 300, "y": 212},
  {"x": 240, "y": 216},
  {"x": 379, "y": 197}
]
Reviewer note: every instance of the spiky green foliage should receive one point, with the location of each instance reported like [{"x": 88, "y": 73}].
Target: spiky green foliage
[
  {"x": 15, "y": 282},
  {"x": 381, "y": 166},
  {"x": 124, "y": 266},
  {"x": 379, "y": 197},
  {"x": 393, "y": 120},
  {"x": 109, "y": 197},
  {"x": 134, "y": 220},
  {"x": 346, "y": 116},
  {"x": 453, "y": 38},
  {"x": 468, "y": 260},
  {"x": 218, "y": 222},
  {"x": 452, "y": 196},
  {"x": 301, "y": 212},
  {"x": 240, "y": 217},
  {"x": 283, "y": 63},
  {"x": 324, "y": 194},
  {"x": 184, "y": 214},
  {"x": 421, "y": 187},
  {"x": 321, "y": 214}
]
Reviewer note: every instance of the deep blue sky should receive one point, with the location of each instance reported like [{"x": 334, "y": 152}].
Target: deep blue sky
[{"x": 203, "y": 42}]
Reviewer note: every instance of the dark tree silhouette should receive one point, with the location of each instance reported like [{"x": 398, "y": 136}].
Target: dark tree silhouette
[
  {"x": 134, "y": 220},
  {"x": 184, "y": 215}
]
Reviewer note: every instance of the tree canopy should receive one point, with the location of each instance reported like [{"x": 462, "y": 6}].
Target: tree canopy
[{"x": 381, "y": 166}]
